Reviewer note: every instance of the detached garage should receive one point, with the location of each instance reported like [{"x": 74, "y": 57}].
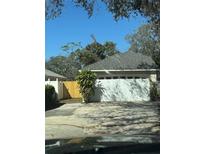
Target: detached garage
[{"x": 124, "y": 77}]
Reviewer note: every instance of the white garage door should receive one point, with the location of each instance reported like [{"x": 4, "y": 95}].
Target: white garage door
[{"x": 107, "y": 90}]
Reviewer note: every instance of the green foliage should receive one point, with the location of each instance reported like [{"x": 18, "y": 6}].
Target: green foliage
[
  {"x": 97, "y": 49},
  {"x": 71, "y": 46},
  {"x": 92, "y": 52},
  {"x": 86, "y": 80},
  {"x": 53, "y": 8},
  {"x": 50, "y": 97},
  {"x": 118, "y": 8},
  {"x": 110, "y": 48},
  {"x": 87, "y": 57},
  {"x": 69, "y": 65},
  {"x": 156, "y": 58},
  {"x": 154, "y": 92},
  {"x": 145, "y": 41},
  {"x": 66, "y": 66}
]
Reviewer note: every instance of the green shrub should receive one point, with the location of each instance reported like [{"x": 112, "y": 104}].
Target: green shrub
[
  {"x": 50, "y": 97},
  {"x": 86, "y": 80},
  {"x": 154, "y": 92}
]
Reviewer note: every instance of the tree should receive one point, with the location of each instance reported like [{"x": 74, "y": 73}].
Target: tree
[
  {"x": 57, "y": 64},
  {"x": 145, "y": 41},
  {"x": 79, "y": 57},
  {"x": 86, "y": 57},
  {"x": 93, "y": 52},
  {"x": 53, "y": 8},
  {"x": 97, "y": 49},
  {"x": 67, "y": 66},
  {"x": 118, "y": 8},
  {"x": 110, "y": 48},
  {"x": 71, "y": 47}
]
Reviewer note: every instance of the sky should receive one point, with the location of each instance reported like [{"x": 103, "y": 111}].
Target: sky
[{"x": 74, "y": 25}]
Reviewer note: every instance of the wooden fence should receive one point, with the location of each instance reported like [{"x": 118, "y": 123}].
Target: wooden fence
[{"x": 72, "y": 89}]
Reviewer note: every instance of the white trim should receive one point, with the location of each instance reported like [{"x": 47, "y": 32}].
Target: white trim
[{"x": 127, "y": 70}]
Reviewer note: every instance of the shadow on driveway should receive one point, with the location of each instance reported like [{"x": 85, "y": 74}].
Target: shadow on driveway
[{"x": 54, "y": 106}]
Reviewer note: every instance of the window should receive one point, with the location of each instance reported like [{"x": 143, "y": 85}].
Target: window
[
  {"x": 101, "y": 78},
  {"x": 115, "y": 77},
  {"x": 108, "y": 77},
  {"x": 130, "y": 77},
  {"x": 136, "y": 77},
  {"x": 122, "y": 77}
]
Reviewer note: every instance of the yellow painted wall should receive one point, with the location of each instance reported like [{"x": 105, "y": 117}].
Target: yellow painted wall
[{"x": 72, "y": 88}]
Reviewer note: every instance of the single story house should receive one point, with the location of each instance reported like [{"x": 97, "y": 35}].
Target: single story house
[
  {"x": 124, "y": 77},
  {"x": 52, "y": 76},
  {"x": 63, "y": 86},
  {"x": 56, "y": 80}
]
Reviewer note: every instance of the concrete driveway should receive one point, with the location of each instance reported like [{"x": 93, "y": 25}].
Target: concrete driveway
[{"x": 99, "y": 119}]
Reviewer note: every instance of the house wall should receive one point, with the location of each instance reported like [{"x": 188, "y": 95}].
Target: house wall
[
  {"x": 123, "y": 85},
  {"x": 107, "y": 90},
  {"x": 106, "y": 74},
  {"x": 111, "y": 86},
  {"x": 121, "y": 74},
  {"x": 58, "y": 85}
]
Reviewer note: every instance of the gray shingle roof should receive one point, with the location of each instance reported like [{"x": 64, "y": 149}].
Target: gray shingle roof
[
  {"x": 53, "y": 74},
  {"x": 127, "y": 60}
]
